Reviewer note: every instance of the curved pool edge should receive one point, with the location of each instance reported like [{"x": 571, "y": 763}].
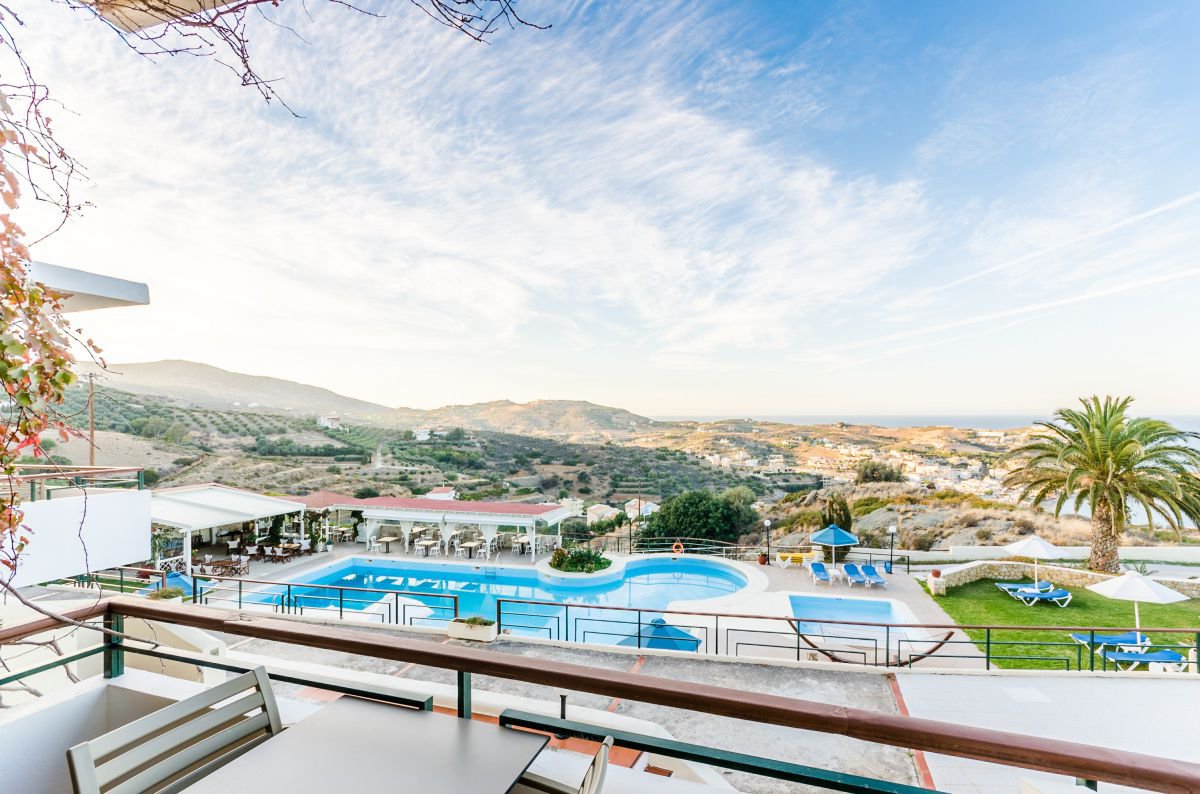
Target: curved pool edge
[{"x": 756, "y": 580}]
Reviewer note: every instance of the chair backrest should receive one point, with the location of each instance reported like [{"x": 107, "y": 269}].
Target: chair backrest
[
  {"x": 593, "y": 779},
  {"x": 305, "y": 544},
  {"x": 252, "y": 549},
  {"x": 181, "y": 743},
  {"x": 870, "y": 571},
  {"x": 818, "y": 567},
  {"x": 851, "y": 569}
]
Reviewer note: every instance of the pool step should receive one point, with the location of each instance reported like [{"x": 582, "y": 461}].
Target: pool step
[{"x": 490, "y": 572}]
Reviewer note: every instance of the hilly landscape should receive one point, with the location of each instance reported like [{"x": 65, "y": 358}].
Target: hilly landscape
[{"x": 188, "y": 383}]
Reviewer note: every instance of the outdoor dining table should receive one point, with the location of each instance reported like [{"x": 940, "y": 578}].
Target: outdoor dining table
[
  {"x": 522, "y": 541},
  {"x": 425, "y": 544},
  {"x": 363, "y": 745},
  {"x": 470, "y": 546},
  {"x": 387, "y": 543}
]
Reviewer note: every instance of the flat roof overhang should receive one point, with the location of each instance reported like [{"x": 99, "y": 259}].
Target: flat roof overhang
[{"x": 84, "y": 291}]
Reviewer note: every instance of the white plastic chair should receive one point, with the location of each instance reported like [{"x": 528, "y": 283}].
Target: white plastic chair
[
  {"x": 306, "y": 546},
  {"x": 196, "y": 732},
  {"x": 593, "y": 778},
  {"x": 373, "y": 544}
]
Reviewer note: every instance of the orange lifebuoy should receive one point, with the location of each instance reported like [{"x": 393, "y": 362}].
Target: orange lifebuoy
[{"x": 677, "y": 548}]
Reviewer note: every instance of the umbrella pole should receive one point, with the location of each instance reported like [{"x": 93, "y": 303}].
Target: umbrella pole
[
  {"x": 1035, "y": 572},
  {"x": 1137, "y": 618}
]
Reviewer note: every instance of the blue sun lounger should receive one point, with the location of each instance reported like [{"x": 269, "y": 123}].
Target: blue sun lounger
[
  {"x": 1166, "y": 660},
  {"x": 853, "y": 575},
  {"x": 873, "y": 577},
  {"x": 1012, "y": 587},
  {"x": 1127, "y": 640},
  {"x": 1030, "y": 597},
  {"x": 819, "y": 573}
]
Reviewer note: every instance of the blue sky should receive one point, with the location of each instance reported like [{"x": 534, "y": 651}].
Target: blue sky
[{"x": 692, "y": 208}]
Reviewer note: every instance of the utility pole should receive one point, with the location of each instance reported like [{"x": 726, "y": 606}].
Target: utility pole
[{"x": 91, "y": 418}]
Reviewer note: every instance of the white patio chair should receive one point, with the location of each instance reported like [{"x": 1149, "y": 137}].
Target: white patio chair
[
  {"x": 190, "y": 739},
  {"x": 252, "y": 551},
  {"x": 373, "y": 544},
  {"x": 593, "y": 777},
  {"x": 233, "y": 545},
  {"x": 306, "y": 546},
  {"x": 459, "y": 551}
]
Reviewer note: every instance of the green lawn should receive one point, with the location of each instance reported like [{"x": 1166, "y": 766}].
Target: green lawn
[{"x": 981, "y": 603}]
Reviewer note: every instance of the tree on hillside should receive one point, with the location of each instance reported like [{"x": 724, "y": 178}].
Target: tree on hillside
[
  {"x": 1102, "y": 458},
  {"x": 837, "y": 512},
  {"x": 877, "y": 471},
  {"x": 701, "y": 514}
]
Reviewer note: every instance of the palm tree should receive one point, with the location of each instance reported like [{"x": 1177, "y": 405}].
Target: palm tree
[{"x": 1107, "y": 460}]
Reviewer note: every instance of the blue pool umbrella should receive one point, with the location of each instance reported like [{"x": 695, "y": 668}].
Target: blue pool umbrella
[
  {"x": 834, "y": 537},
  {"x": 662, "y": 636}
]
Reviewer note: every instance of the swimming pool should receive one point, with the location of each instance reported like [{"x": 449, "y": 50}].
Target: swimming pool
[{"x": 646, "y": 585}]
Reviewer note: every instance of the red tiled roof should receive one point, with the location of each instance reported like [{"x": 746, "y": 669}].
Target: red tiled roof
[
  {"x": 442, "y": 489},
  {"x": 457, "y": 505}
]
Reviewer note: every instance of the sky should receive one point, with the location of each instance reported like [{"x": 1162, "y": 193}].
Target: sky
[{"x": 676, "y": 208}]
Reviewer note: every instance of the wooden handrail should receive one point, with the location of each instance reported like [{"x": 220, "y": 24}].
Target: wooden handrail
[
  {"x": 32, "y": 627},
  {"x": 1048, "y": 755}
]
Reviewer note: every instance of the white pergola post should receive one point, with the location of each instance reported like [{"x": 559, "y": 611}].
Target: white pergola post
[
  {"x": 406, "y": 530},
  {"x": 187, "y": 550},
  {"x": 531, "y": 533}
]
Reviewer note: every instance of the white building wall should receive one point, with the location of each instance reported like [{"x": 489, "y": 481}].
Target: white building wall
[{"x": 71, "y": 535}]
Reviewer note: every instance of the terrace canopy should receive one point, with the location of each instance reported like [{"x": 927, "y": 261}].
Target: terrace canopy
[
  {"x": 447, "y": 515},
  {"x": 198, "y": 508}
]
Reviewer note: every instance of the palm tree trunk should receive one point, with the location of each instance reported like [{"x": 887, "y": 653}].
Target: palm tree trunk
[{"x": 1105, "y": 557}]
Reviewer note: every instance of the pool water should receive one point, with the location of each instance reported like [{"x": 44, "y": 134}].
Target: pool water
[
  {"x": 862, "y": 610},
  {"x": 647, "y": 585}
]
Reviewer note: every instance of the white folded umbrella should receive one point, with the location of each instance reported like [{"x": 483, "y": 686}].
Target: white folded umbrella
[{"x": 1035, "y": 547}]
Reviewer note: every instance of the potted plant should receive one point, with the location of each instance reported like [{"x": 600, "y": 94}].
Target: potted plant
[
  {"x": 472, "y": 628},
  {"x": 762, "y": 557},
  {"x": 166, "y": 594},
  {"x": 935, "y": 574}
]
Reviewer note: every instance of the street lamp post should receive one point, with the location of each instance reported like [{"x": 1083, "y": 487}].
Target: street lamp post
[
  {"x": 767, "y": 524},
  {"x": 891, "y": 546}
]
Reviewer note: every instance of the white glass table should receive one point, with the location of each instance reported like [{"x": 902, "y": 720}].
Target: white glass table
[{"x": 362, "y": 745}]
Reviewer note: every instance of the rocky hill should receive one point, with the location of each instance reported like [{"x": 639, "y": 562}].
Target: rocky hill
[
  {"x": 204, "y": 386},
  {"x": 212, "y": 387}
]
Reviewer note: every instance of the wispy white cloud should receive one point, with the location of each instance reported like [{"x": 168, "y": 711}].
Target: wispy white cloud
[{"x": 622, "y": 209}]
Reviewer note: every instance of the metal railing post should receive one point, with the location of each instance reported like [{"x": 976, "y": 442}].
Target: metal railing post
[
  {"x": 1092, "y": 650},
  {"x": 567, "y": 623},
  {"x": 464, "y": 694},
  {"x": 141, "y": 480},
  {"x": 887, "y": 648},
  {"x": 194, "y": 580},
  {"x": 396, "y": 607},
  {"x": 341, "y": 603},
  {"x": 240, "y": 585},
  {"x": 639, "y": 619},
  {"x": 987, "y": 649},
  {"x": 114, "y": 654},
  {"x": 120, "y": 579}
]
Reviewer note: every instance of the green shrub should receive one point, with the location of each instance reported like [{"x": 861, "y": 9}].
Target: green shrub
[
  {"x": 165, "y": 593},
  {"x": 579, "y": 560},
  {"x": 475, "y": 620},
  {"x": 366, "y": 492}
]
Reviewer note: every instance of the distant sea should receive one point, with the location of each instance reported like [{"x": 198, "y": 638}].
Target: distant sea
[{"x": 974, "y": 421}]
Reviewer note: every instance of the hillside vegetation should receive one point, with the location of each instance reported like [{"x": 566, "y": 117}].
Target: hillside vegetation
[{"x": 292, "y": 454}]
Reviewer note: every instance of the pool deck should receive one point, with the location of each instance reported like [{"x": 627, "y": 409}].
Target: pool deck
[{"x": 796, "y": 579}]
